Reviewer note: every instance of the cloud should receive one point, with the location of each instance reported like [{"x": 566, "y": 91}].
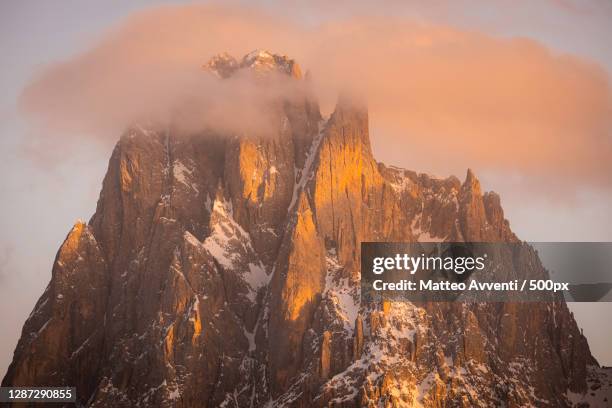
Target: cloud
[
  {"x": 149, "y": 69},
  {"x": 440, "y": 98}
]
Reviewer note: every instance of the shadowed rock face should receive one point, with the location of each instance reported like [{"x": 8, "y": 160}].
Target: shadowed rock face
[{"x": 224, "y": 271}]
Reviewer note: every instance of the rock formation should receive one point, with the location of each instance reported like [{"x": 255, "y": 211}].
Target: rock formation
[{"x": 223, "y": 271}]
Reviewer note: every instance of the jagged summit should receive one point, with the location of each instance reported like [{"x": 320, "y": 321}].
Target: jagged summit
[
  {"x": 267, "y": 61},
  {"x": 224, "y": 65}
]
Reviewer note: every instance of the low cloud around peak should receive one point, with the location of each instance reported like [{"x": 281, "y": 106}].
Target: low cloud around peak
[{"x": 451, "y": 98}]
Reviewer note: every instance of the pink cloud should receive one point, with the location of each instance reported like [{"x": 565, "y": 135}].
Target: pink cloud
[{"x": 440, "y": 98}]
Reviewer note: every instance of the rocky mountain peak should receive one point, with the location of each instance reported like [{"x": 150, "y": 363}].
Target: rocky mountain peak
[
  {"x": 224, "y": 271},
  {"x": 471, "y": 182},
  {"x": 260, "y": 61},
  {"x": 223, "y": 65},
  {"x": 265, "y": 61}
]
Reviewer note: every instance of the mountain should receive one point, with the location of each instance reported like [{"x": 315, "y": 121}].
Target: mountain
[{"x": 223, "y": 271}]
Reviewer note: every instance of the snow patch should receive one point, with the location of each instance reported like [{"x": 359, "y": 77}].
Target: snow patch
[
  {"x": 251, "y": 338},
  {"x": 189, "y": 237},
  {"x": 174, "y": 394},
  {"x": 183, "y": 175},
  {"x": 231, "y": 246},
  {"x": 343, "y": 293},
  {"x": 306, "y": 171}
]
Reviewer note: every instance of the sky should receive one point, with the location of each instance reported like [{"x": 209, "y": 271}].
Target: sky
[{"x": 524, "y": 84}]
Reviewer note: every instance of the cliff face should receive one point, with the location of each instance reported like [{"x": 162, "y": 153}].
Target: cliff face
[{"x": 224, "y": 271}]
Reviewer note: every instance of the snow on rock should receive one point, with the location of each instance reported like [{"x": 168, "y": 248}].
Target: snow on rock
[
  {"x": 265, "y": 61},
  {"x": 189, "y": 237},
  {"x": 306, "y": 172},
  {"x": 344, "y": 295},
  {"x": 184, "y": 175},
  {"x": 383, "y": 354},
  {"x": 599, "y": 389},
  {"x": 174, "y": 394},
  {"x": 231, "y": 246}
]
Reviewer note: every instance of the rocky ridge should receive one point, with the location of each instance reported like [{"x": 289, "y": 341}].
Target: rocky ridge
[{"x": 223, "y": 270}]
